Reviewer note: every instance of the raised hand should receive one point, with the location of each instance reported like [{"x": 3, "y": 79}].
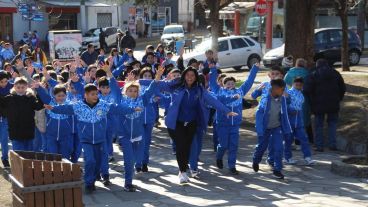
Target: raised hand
[
  {"x": 87, "y": 77},
  {"x": 46, "y": 75},
  {"x": 35, "y": 85},
  {"x": 48, "y": 107},
  {"x": 159, "y": 73},
  {"x": 130, "y": 77},
  {"x": 19, "y": 63},
  {"x": 257, "y": 64}
]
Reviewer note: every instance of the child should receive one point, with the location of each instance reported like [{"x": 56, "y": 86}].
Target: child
[
  {"x": 295, "y": 112},
  {"x": 20, "y": 105},
  {"x": 168, "y": 60},
  {"x": 5, "y": 87},
  {"x": 228, "y": 128},
  {"x": 262, "y": 90},
  {"x": 149, "y": 49},
  {"x": 131, "y": 128},
  {"x": 91, "y": 115},
  {"x": 215, "y": 140},
  {"x": 160, "y": 53},
  {"x": 101, "y": 57},
  {"x": 272, "y": 123},
  {"x": 59, "y": 126}
]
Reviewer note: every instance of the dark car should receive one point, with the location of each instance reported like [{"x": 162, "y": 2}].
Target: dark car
[{"x": 327, "y": 45}]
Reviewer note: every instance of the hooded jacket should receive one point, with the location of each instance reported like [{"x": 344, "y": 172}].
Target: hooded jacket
[{"x": 295, "y": 108}]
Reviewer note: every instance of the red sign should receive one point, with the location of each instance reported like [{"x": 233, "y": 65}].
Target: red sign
[{"x": 261, "y": 7}]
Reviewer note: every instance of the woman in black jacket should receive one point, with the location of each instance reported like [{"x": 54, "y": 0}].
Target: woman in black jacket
[{"x": 19, "y": 107}]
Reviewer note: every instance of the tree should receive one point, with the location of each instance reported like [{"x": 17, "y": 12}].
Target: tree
[
  {"x": 361, "y": 20},
  {"x": 299, "y": 29},
  {"x": 215, "y": 6}
]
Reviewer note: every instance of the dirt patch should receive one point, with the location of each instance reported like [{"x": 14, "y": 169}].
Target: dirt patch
[
  {"x": 356, "y": 161},
  {"x": 5, "y": 186}
]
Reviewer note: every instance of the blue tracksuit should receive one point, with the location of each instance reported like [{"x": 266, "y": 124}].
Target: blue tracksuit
[
  {"x": 228, "y": 128},
  {"x": 4, "y": 135},
  {"x": 131, "y": 131},
  {"x": 58, "y": 129},
  {"x": 295, "y": 111},
  {"x": 272, "y": 137},
  {"x": 92, "y": 131},
  {"x": 164, "y": 103}
]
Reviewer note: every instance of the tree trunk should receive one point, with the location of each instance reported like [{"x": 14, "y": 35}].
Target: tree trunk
[
  {"x": 215, "y": 23},
  {"x": 299, "y": 29},
  {"x": 342, "y": 10},
  {"x": 361, "y": 20}
]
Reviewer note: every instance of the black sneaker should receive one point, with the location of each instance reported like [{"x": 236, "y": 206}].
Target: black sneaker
[
  {"x": 144, "y": 168},
  {"x": 255, "y": 167},
  {"x": 98, "y": 178},
  {"x": 138, "y": 169},
  {"x": 278, "y": 174},
  {"x": 233, "y": 171},
  {"x": 219, "y": 164},
  {"x": 129, "y": 188},
  {"x": 106, "y": 182},
  {"x": 6, "y": 164},
  {"x": 88, "y": 189}
]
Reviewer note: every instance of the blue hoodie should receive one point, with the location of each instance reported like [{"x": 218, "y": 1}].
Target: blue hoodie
[
  {"x": 57, "y": 125},
  {"x": 131, "y": 125},
  {"x": 225, "y": 96},
  {"x": 113, "y": 98},
  {"x": 295, "y": 108},
  {"x": 92, "y": 119}
]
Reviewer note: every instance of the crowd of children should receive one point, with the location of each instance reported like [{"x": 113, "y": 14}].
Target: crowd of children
[{"x": 78, "y": 107}]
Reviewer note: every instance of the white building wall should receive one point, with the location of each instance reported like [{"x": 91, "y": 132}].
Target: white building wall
[{"x": 92, "y": 15}]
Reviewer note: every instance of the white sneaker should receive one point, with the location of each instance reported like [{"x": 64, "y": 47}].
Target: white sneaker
[
  {"x": 183, "y": 178},
  {"x": 309, "y": 161},
  {"x": 195, "y": 174},
  {"x": 290, "y": 161}
]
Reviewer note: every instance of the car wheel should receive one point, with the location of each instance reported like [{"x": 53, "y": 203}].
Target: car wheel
[
  {"x": 354, "y": 57},
  {"x": 237, "y": 68},
  {"x": 252, "y": 60}
]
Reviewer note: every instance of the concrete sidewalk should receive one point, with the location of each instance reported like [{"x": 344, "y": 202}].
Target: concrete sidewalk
[{"x": 303, "y": 186}]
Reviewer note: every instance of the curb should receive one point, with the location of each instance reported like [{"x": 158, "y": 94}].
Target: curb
[{"x": 349, "y": 170}]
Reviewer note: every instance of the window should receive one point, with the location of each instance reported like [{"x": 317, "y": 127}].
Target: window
[
  {"x": 238, "y": 43},
  {"x": 250, "y": 42},
  {"x": 321, "y": 38},
  {"x": 335, "y": 36},
  {"x": 104, "y": 20},
  {"x": 223, "y": 46}
]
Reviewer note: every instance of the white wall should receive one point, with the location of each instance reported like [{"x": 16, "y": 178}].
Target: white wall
[{"x": 92, "y": 15}]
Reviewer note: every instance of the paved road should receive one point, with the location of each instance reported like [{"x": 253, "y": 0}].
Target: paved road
[{"x": 303, "y": 186}]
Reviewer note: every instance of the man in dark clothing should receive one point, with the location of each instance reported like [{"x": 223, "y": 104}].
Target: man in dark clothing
[
  {"x": 325, "y": 88},
  {"x": 101, "y": 39},
  {"x": 119, "y": 37},
  {"x": 89, "y": 56},
  {"x": 127, "y": 41}
]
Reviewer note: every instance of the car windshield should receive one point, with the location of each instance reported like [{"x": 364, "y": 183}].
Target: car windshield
[
  {"x": 92, "y": 32},
  {"x": 253, "y": 22},
  {"x": 172, "y": 30},
  {"x": 205, "y": 45}
]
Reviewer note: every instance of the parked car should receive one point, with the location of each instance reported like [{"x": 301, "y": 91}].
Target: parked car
[
  {"x": 92, "y": 36},
  {"x": 327, "y": 45},
  {"x": 172, "y": 31},
  {"x": 233, "y": 52}
]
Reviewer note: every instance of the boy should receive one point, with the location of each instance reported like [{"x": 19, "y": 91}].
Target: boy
[
  {"x": 295, "y": 112},
  {"x": 272, "y": 123},
  {"x": 91, "y": 114},
  {"x": 228, "y": 127},
  {"x": 20, "y": 106},
  {"x": 168, "y": 60},
  {"x": 5, "y": 87}
]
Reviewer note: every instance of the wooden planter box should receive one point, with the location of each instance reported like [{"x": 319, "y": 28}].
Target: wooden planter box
[{"x": 44, "y": 180}]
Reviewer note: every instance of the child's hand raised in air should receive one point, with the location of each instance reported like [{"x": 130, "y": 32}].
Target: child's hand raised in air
[
  {"x": 159, "y": 73},
  {"x": 19, "y": 63},
  {"x": 257, "y": 64},
  {"x": 35, "y": 85},
  {"x": 46, "y": 74},
  {"x": 87, "y": 77},
  {"x": 130, "y": 77},
  {"x": 48, "y": 107},
  {"x": 231, "y": 114}
]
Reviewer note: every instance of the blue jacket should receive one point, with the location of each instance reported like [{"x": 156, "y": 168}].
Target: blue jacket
[
  {"x": 92, "y": 121},
  {"x": 225, "y": 96},
  {"x": 131, "y": 125},
  {"x": 7, "y": 54},
  {"x": 205, "y": 99},
  {"x": 113, "y": 98},
  {"x": 57, "y": 125},
  {"x": 150, "y": 110},
  {"x": 262, "y": 116},
  {"x": 295, "y": 108}
]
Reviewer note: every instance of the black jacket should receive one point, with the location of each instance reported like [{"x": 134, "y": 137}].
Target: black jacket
[
  {"x": 325, "y": 88},
  {"x": 21, "y": 116},
  {"x": 127, "y": 42}
]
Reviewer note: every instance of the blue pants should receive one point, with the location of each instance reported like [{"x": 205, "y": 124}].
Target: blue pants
[
  {"x": 332, "y": 122},
  {"x": 63, "y": 146},
  {"x": 38, "y": 142},
  {"x": 147, "y": 137},
  {"x": 301, "y": 135},
  {"x": 92, "y": 161},
  {"x": 77, "y": 148},
  {"x": 274, "y": 138},
  {"x": 4, "y": 138},
  {"x": 133, "y": 153},
  {"x": 228, "y": 141},
  {"x": 22, "y": 145},
  {"x": 109, "y": 136},
  {"x": 215, "y": 138},
  {"x": 105, "y": 162},
  {"x": 195, "y": 149}
]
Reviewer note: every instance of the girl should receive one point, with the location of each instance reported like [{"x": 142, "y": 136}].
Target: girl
[
  {"x": 160, "y": 54},
  {"x": 117, "y": 60},
  {"x": 39, "y": 58},
  {"x": 187, "y": 113},
  {"x": 149, "y": 49}
]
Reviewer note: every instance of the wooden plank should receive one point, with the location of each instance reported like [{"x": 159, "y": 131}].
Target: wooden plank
[
  {"x": 77, "y": 192},
  {"x": 68, "y": 192},
  {"x": 48, "y": 179},
  {"x": 38, "y": 180},
  {"x": 58, "y": 178},
  {"x": 40, "y": 156},
  {"x": 16, "y": 166},
  {"x": 17, "y": 202},
  {"x": 27, "y": 154},
  {"x": 29, "y": 198}
]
